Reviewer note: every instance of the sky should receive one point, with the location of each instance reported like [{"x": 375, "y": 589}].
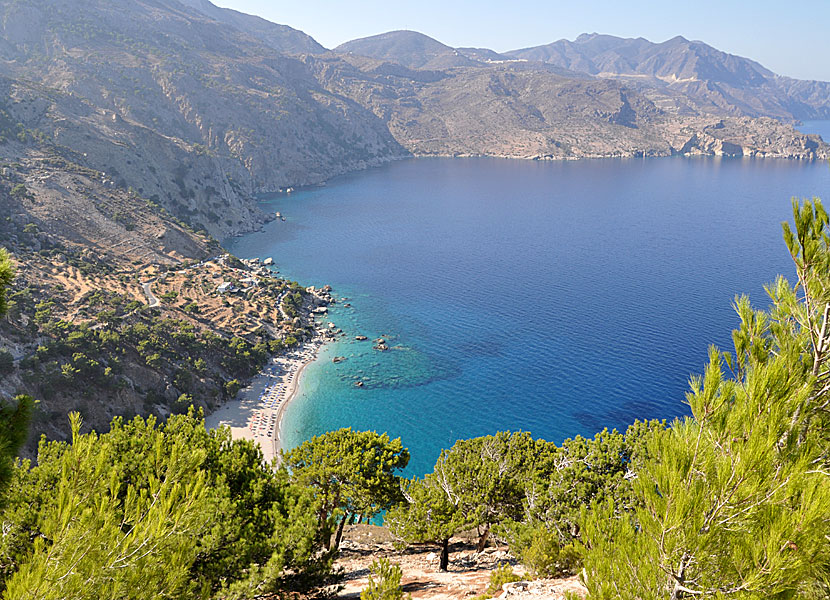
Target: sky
[{"x": 791, "y": 38}]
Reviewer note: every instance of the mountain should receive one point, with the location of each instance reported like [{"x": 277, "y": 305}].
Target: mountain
[
  {"x": 531, "y": 110},
  {"x": 157, "y": 93},
  {"x": 408, "y": 48},
  {"x": 714, "y": 79},
  {"x": 674, "y": 60},
  {"x": 278, "y": 37}
]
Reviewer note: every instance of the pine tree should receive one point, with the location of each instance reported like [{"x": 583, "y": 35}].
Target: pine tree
[
  {"x": 353, "y": 473},
  {"x": 102, "y": 540},
  {"x": 429, "y": 514},
  {"x": 734, "y": 501}
]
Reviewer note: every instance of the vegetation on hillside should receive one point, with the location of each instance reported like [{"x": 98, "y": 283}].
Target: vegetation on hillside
[
  {"x": 731, "y": 502},
  {"x": 736, "y": 500},
  {"x": 16, "y": 412},
  {"x": 153, "y": 510}
]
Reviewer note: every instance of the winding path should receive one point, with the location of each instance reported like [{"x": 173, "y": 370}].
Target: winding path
[{"x": 151, "y": 297}]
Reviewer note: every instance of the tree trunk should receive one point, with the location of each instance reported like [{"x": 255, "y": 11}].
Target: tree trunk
[
  {"x": 482, "y": 540},
  {"x": 445, "y": 555},
  {"x": 339, "y": 535},
  {"x": 324, "y": 528},
  {"x": 327, "y": 510}
]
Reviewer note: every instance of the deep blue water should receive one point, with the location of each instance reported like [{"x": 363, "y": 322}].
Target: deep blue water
[
  {"x": 553, "y": 297},
  {"x": 820, "y": 127}
]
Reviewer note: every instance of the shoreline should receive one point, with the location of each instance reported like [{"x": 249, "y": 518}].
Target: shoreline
[
  {"x": 289, "y": 397},
  {"x": 258, "y": 410}
]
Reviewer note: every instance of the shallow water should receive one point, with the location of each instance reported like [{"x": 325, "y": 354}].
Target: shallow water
[{"x": 554, "y": 297}]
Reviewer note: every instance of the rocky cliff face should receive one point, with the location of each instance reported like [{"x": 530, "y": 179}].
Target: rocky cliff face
[{"x": 191, "y": 112}]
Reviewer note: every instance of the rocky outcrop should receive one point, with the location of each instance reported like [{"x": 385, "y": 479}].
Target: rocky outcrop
[
  {"x": 759, "y": 138},
  {"x": 468, "y": 574}
]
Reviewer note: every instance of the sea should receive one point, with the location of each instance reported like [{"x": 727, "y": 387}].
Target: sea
[{"x": 559, "y": 298}]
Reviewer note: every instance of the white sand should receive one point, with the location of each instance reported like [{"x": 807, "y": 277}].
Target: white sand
[{"x": 256, "y": 412}]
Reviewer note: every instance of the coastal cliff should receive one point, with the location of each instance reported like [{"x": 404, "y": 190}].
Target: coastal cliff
[{"x": 199, "y": 109}]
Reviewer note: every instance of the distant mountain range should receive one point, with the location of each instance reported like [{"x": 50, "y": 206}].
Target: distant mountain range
[
  {"x": 677, "y": 68},
  {"x": 199, "y": 107}
]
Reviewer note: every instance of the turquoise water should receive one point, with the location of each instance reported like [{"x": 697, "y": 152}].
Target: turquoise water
[{"x": 558, "y": 298}]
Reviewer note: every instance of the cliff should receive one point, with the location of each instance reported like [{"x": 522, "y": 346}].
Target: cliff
[{"x": 200, "y": 108}]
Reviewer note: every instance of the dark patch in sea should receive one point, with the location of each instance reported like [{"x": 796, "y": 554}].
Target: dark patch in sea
[{"x": 400, "y": 367}]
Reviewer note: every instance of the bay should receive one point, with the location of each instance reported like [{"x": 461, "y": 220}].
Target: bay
[{"x": 553, "y": 297}]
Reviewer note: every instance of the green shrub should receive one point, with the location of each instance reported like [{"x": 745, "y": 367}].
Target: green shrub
[
  {"x": 543, "y": 556},
  {"x": 384, "y": 583},
  {"x": 501, "y": 575},
  {"x": 232, "y": 387},
  {"x": 20, "y": 191}
]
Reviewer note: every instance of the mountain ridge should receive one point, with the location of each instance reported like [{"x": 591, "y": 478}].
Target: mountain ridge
[
  {"x": 276, "y": 36},
  {"x": 684, "y": 65},
  {"x": 714, "y": 80}
]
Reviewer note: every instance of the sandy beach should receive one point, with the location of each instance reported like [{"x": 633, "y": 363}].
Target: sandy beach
[{"x": 257, "y": 411}]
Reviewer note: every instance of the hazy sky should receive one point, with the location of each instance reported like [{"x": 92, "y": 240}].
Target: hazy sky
[{"x": 791, "y": 38}]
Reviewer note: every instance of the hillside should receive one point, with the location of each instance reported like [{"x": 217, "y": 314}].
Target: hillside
[
  {"x": 82, "y": 332},
  {"x": 408, "y": 48},
  {"x": 712, "y": 78},
  {"x": 536, "y": 111},
  {"x": 158, "y": 93}
]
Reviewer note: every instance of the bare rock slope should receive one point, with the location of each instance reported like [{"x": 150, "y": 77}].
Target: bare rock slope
[{"x": 197, "y": 113}]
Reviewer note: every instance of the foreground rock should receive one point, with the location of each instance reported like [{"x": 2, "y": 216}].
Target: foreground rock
[{"x": 468, "y": 574}]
